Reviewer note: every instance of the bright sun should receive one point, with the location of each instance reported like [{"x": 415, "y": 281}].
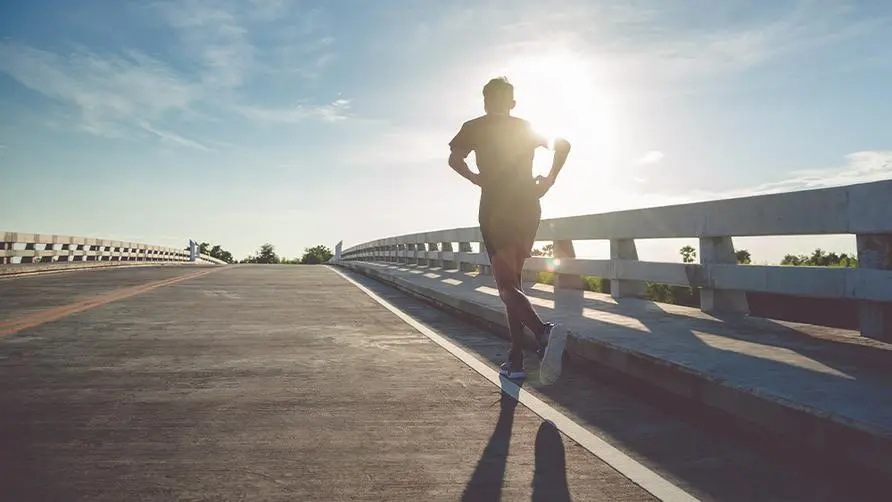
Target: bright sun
[
  {"x": 559, "y": 93},
  {"x": 563, "y": 94}
]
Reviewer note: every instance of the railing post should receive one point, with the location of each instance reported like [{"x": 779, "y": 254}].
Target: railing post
[
  {"x": 415, "y": 259},
  {"x": 569, "y": 289},
  {"x": 485, "y": 269},
  {"x": 432, "y": 247},
  {"x": 5, "y": 246},
  {"x": 624, "y": 249},
  {"x": 720, "y": 250},
  {"x": 875, "y": 252},
  {"x": 465, "y": 247},
  {"x": 564, "y": 250},
  {"x": 446, "y": 247}
]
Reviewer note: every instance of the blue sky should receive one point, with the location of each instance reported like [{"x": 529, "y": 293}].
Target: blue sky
[{"x": 300, "y": 123}]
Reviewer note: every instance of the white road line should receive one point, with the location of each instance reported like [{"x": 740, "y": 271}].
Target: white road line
[{"x": 647, "y": 479}]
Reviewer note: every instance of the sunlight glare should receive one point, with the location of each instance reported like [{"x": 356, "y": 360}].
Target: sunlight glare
[{"x": 556, "y": 91}]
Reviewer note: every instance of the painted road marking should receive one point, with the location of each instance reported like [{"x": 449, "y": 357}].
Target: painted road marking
[
  {"x": 636, "y": 472},
  {"x": 52, "y": 314}
]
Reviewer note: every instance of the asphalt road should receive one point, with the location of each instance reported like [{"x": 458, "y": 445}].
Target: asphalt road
[{"x": 289, "y": 383}]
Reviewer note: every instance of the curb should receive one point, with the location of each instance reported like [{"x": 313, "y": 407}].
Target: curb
[{"x": 817, "y": 430}]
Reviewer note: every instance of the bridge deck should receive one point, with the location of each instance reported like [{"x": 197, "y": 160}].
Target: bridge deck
[
  {"x": 289, "y": 383},
  {"x": 801, "y": 380},
  {"x": 266, "y": 383}
]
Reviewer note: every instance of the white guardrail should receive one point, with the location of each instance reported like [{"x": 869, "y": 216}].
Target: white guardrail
[
  {"x": 864, "y": 210},
  {"x": 45, "y": 249}
]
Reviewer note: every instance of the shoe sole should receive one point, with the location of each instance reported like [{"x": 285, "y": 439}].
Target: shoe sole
[{"x": 551, "y": 366}]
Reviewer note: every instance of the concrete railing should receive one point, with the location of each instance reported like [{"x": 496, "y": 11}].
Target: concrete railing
[
  {"x": 863, "y": 210},
  {"x": 46, "y": 249}
]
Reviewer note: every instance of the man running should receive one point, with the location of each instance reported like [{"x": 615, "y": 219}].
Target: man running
[{"x": 509, "y": 211}]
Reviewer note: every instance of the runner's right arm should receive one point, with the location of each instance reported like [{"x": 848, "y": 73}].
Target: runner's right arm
[{"x": 460, "y": 147}]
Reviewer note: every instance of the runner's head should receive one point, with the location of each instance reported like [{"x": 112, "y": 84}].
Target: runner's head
[{"x": 498, "y": 96}]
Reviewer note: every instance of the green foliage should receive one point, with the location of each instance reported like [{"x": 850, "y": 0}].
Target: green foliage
[
  {"x": 266, "y": 254},
  {"x": 547, "y": 250},
  {"x": 821, "y": 258},
  {"x": 743, "y": 257},
  {"x": 216, "y": 251},
  {"x": 688, "y": 254},
  {"x": 316, "y": 255}
]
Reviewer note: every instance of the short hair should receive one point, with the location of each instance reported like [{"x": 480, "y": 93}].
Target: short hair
[{"x": 498, "y": 89}]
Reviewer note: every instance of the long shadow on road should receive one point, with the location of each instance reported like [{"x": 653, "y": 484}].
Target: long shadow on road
[
  {"x": 690, "y": 447},
  {"x": 489, "y": 475},
  {"x": 550, "y": 476}
]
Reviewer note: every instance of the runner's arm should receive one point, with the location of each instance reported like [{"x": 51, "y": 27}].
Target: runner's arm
[
  {"x": 460, "y": 147},
  {"x": 561, "y": 151},
  {"x": 560, "y": 147}
]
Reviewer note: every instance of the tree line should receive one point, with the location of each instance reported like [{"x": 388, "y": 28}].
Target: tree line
[
  {"x": 267, "y": 254},
  {"x": 311, "y": 256}
]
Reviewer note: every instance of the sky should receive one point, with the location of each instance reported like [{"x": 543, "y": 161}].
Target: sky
[{"x": 241, "y": 122}]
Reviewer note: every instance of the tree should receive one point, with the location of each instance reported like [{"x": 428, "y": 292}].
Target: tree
[
  {"x": 216, "y": 251},
  {"x": 743, "y": 257},
  {"x": 547, "y": 250},
  {"x": 316, "y": 255},
  {"x": 820, "y": 258},
  {"x": 688, "y": 253},
  {"x": 267, "y": 254},
  {"x": 221, "y": 254}
]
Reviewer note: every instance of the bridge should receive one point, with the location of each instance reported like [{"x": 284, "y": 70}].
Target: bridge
[{"x": 130, "y": 371}]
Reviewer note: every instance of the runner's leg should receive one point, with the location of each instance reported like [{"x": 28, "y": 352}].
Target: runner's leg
[{"x": 516, "y": 303}]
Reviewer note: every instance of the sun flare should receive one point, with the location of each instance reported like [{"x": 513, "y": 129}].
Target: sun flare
[
  {"x": 566, "y": 94},
  {"x": 557, "y": 93}
]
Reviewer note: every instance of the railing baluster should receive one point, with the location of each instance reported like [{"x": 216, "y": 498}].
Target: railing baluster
[
  {"x": 720, "y": 250},
  {"x": 875, "y": 318},
  {"x": 624, "y": 249}
]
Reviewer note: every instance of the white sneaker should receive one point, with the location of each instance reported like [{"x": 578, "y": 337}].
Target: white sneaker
[{"x": 552, "y": 361}]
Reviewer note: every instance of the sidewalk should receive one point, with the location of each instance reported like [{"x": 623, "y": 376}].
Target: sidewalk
[{"x": 822, "y": 387}]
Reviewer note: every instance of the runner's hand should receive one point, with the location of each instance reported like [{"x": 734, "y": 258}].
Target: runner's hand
[{"x": 543, "y": 183}]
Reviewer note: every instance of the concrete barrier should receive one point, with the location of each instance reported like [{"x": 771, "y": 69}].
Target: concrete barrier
[
  {"x": 861, "y": 210},
  {"x": 27, "y": 253}
]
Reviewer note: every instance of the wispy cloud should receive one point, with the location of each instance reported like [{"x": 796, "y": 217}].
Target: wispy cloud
[
  {"x": 859, "y": 167},
  {"x": 173, "y": 138},
  {"x": 331, "y": 112},
  {"x": 651, "y": 157},
  {"x": 127, "y": 93},
  {"x": 110, "y": 92},
  {"x": 214, "y": 37}
]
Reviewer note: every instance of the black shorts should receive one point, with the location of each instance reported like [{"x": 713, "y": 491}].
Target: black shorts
[{"x": 509, "y": 220}]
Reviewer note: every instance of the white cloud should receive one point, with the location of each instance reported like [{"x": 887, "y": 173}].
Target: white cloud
[
  {"x": 859, "y": 167},
  {"x": 213, "y": 36},
  {"x": 128, "y": 93},
  {"x": 331, "y": 112},
  {"x": 111, "y": 93},
  {"x": 651, "y": 157}
]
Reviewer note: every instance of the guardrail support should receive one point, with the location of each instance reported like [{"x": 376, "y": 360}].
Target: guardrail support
[
  {"x": 720, "y": 250},
  {"x": 446, "y": 247},
  {"x": 564, "y": 250},
  {"x": 624, "y": 249},
  {"x": 465, "y": 249},
  {"x": 875, "y": 318}
]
